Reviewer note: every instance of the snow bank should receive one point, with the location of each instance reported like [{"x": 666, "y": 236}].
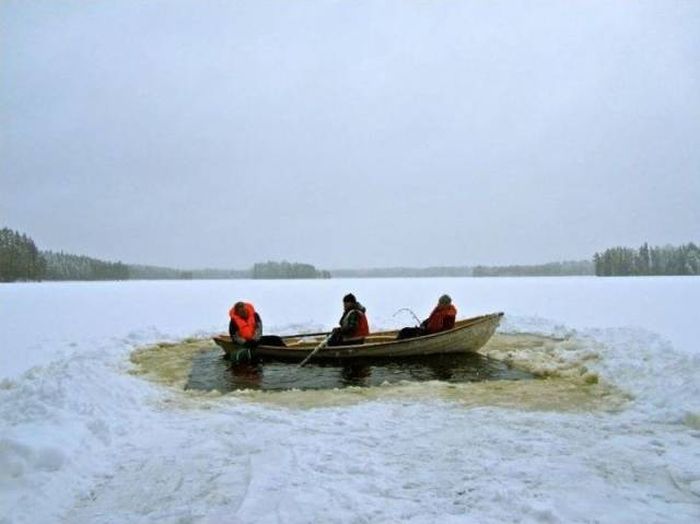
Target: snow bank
[{"x": 611, "y": 434}]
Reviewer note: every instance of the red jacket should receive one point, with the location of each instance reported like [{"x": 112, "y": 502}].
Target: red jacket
[{"x": 441, "y": 319}]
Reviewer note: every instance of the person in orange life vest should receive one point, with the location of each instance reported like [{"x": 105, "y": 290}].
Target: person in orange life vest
[
  {"x": 245, "y": 326},
  {"x": 353, "y": 324},
  {"x": 442, "y": 318}
]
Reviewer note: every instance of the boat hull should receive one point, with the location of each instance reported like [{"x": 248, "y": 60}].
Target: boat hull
[{"x": 467, "y": 336}]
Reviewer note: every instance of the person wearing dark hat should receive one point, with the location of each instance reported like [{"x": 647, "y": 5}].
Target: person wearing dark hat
[
  {"x": 353, "y": 324},
  {"x": 442, "y": 318}
]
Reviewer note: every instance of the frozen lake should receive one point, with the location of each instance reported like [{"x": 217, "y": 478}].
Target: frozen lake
[{"x": 609, "y": 431}]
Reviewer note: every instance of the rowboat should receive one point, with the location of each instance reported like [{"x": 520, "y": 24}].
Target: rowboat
[{"x": 467, "y": 335}]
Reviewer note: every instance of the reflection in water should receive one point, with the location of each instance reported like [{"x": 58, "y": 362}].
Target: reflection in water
[
  {"x": 210, "y": 371},
  {"x": 248, "y": 376},
  {"x": 356, "y": 374}
]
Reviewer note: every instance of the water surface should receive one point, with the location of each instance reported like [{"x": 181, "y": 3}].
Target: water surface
[{"x": 210, "y": 371}]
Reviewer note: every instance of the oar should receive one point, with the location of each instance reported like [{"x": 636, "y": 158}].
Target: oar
[
  {"x": 300, "y": 335},
  {"x": 320, "y": 346}
]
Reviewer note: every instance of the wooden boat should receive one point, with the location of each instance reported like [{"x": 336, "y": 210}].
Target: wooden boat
[{"x": 467, "y": 336}]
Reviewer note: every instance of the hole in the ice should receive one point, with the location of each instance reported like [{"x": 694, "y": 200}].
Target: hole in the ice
[{"x": 210, "y": 372}]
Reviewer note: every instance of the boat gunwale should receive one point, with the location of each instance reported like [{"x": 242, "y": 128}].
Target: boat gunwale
[{"x": 465, "y": 324}]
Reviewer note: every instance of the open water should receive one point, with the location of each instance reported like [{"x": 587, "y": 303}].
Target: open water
[{"x": 209, "y": 371}]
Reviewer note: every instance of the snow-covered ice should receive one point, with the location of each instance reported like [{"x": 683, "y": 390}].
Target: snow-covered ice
[{"x": 85, "y": 437}]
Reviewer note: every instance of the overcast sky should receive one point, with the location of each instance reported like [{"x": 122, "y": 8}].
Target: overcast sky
[{"x": 218, "y": 133}]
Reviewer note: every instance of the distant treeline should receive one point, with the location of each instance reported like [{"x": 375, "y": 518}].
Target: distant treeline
[
  {"x": 63, "y": 266},
  {"x": 286, "y": 269},
  {"x": 667, "y": 260},
  {"x": 21, "y": 260},
  {"x": 552, "y": 269},
  {"x": 578, "y": 267},
  {"x": 261, "y": 270},
  {"x": 404, "y": 272},
  {"x": 139, "y": 272}
]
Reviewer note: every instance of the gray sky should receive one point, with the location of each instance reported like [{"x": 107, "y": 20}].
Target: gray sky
[{"x": 218, "y": 133}]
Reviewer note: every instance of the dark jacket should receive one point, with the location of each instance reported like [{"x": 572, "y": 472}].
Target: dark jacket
[
  {"x": 352, "y": 323},
  {"x": 351, "y": 319}
]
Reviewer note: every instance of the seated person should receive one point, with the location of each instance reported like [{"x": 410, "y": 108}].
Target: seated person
[
  {"x": 240, "y": 315},
  {"x": 245, "y": 326},
  {"x": 442, "y": 318},
  {"x": 245, "y": 329},
  {"x": 353, "y": 324}
]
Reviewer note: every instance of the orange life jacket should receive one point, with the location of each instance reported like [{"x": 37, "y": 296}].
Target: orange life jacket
[
  {"x": 441, "y": 319},
  {"x": 246, "y": 326}
]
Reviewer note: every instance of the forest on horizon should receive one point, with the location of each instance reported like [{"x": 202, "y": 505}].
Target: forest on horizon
[{"x": 22, "y": 260}]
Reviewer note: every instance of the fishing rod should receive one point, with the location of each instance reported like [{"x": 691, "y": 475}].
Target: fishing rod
[{"x": 410, "y": 311}]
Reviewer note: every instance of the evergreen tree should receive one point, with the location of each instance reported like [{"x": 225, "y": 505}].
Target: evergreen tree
[
  {"x": 19, "y": 257},
  {"x": 667, "y": 260},
  {"x": 284, "y": 269},
  {"x": 644, "y": 260}
]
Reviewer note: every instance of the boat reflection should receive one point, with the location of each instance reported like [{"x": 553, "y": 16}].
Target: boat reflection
[
  {"x": 247, "y": 376},
  {"x": 356, "y": 374}
]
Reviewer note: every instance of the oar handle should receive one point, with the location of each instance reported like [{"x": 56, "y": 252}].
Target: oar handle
[{"x": 320, "y": 346}]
